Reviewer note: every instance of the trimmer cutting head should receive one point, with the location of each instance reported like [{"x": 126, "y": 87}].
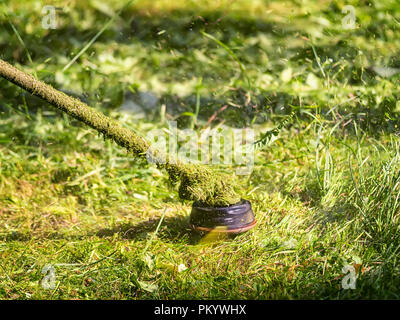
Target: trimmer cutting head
[{"x": 236, "y": 218}]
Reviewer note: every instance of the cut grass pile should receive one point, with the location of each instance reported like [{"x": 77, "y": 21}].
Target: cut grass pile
[{"x": 325, "y": 192}]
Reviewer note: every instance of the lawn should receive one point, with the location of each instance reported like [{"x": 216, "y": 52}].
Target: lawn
[{"x": 77, "y": 209}]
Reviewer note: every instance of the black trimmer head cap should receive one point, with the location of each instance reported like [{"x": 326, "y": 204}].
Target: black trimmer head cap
[{"x": 236, "y": 218}]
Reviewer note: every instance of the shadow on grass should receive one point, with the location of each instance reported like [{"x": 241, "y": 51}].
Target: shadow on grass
[{"x": 173, "y": 229}]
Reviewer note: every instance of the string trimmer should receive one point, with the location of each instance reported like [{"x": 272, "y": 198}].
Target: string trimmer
[{"x": 216, "y": 204}]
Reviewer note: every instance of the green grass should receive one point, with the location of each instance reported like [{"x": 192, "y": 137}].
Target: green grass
[{"x": 326, "y": 192}]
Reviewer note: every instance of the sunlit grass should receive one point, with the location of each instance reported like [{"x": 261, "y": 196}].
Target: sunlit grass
[{"x": 325, "y": 191}]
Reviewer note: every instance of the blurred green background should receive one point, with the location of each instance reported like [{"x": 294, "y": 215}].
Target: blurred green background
[{"x": 325, "y": 192}]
